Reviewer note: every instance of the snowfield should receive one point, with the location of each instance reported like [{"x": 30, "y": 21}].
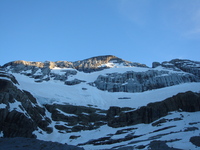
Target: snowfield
[
  {"x": 55, "y": 91},
  {"x": 176, "y": 132}
]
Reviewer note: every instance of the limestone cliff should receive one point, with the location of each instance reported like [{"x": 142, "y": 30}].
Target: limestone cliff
[
  {"x": 20, "y": 113},
  {"x": 142, "y": 81},
  {"x": 189, "y": 102}
]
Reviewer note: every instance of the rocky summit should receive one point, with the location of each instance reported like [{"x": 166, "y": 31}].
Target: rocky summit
[{"x": 103, "y": 102}]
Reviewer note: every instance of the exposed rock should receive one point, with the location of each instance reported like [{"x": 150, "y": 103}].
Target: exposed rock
[
  {"x": 114, "y": 111},
  {"x": 191, "y": 129},
  {"x": 158, "y": 145},
  {"x": 19, "y": 143},
  {"x": 87, "y": 65},
  {"x": 181, "y": 64},
  {"x": 192, "y": 123},
  {"x": 8, "y": 76},
  {"x": 189, "y": 102},
  {"x": 108, "y": 140},
  {"x": 195, "y": 140},
  {"x": 161, "y": 121},
  {"x": 74, "y": 82},
  {"x": 16, "y": 124},
  {"x": 42, "y": 71},
  {"x": 165, "y": 128},
  {"x": 62, "y": 127},
  {"x": 97, "y": 63},
  {"x": 74, "y": 137},
  {"x": 155, "y": 64},
  {"x": 21, "y": 114},
  {"x": 187, "y": 66},
  {"x": 77, "y": 118},
  {"x": 131, "y": 81}
]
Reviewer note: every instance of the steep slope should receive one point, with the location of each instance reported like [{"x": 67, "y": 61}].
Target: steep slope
[
  {"x": 19, "y": 110},
  {"x": 120, "y": 104},
  {"x": 132, "y": 81},
  {"x": 181, "y": 64},
  {"x": 119, "y": 76}
]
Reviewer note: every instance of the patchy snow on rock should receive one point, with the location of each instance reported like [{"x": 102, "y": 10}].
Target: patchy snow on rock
[{"x": 171, "y": 131}]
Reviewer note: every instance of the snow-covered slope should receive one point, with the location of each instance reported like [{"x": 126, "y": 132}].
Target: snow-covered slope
[
  {"x": 54, "y": 91},
  {"x": 176, "y": 132},
  {"x": 78, "y": 101}
]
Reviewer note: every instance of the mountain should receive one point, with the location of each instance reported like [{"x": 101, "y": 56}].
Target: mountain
[{"x": 103, "y": 102}]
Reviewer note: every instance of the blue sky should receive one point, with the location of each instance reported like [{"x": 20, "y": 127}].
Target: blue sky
[{"x": 135, "y": 30}]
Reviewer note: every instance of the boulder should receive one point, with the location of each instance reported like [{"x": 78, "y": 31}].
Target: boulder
[
  {"x": 74, "y": 82},
  {"x": 195, "y": 140}
]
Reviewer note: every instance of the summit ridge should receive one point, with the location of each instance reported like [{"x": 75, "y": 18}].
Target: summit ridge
[{"x": 87, "y": 65}]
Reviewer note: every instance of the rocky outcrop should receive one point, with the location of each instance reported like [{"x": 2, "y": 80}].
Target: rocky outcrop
[
  {"x": 42, "y": 71},
  {"x": 158, "y": 145},
  {"x": 76, "y": 118},
  {"x": 87, "y": 65},
  {"x": 195, "y": 140},
  {"x": 189, "y": 102},
  {"x": 180, "y": 65},
  {"x": 97, "y": 63},
  {"x": 74, "y": 82},
  {"x": 142, "y": 81},
  {"x": 187, "y": 66},
  {"x": 19, "y": 111},
  {"x": 20, "y": 143}
]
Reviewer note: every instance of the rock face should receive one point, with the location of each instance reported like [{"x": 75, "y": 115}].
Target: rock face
[
  {"x": 87, "y": 65},
  {"x": 23, "y": 116},
  {"x": 195, "y": 140},
  {"x": 189, "y": 102},
  {"x": 42, "y": 71},
  {"x": 20, "y": 143},
  {"x": 73, "y": 82},
  {"x": 176, "y": 72},
  {"x": 19, "y": 112},
  {"x": 76, "y": 118},
  {"x": 142, "y": 81},
  {"x": 181, "y": 64}
]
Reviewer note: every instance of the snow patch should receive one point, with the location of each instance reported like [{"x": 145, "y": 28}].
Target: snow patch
[
  {"x": 66, "y": 114},
  {"x": 1, "y": 134},
  {"x": 3, "y": 106}
]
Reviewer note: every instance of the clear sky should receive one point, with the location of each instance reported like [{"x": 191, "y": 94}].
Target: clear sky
[{"x": 135, "y": 30}]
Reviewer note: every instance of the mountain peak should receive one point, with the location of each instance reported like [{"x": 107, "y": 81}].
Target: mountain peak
[{"x": 87, "y": 65}]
